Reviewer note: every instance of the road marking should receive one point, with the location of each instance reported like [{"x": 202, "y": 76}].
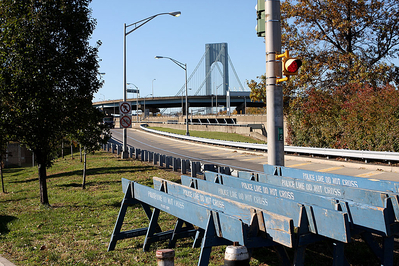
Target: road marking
[
  {"x": 369, "y": 174},
  {"x": 330, "y": 169},
  {"x": 299, "y": 164},
  {"x": 250, "y": 159},
  {"x": 196, "y": 149},
  {"x": 236, "y": 155}
]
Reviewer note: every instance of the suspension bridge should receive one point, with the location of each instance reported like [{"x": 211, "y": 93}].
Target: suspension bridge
[
  {"x": 210, "y": 87},
  {"x": 217, "y": 64}
]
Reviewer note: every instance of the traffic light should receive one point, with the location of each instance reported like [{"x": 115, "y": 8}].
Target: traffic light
[
  {"x": 260, "y": 17},
  {"x": 290, "y": 66}
]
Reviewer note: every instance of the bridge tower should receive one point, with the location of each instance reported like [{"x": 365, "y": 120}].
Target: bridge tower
[{"x": 216, "y": 52}]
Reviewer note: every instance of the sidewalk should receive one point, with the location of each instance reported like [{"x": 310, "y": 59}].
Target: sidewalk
[{"x": 4, "y": 262}]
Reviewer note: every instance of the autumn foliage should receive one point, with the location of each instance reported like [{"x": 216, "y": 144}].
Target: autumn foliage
[{"x": 357, "y": 117}]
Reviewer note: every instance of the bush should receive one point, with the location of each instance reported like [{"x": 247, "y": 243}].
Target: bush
[{"x": 353, "y": 117}]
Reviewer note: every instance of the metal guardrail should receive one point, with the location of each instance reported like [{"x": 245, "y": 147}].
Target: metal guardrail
[{"x": 363, "y": 155}]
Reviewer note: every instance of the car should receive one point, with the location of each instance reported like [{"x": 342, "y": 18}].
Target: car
[{"x": 109, "y": 122}]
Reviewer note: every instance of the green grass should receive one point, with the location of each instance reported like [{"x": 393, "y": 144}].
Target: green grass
[
  {"x": 76, "y": 229},
  {"x": 211, "y": 135}
]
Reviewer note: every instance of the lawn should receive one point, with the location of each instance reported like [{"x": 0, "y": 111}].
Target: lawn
[
  {"x": 76, "y": 229},
  {"x": 211, "y": 135}
]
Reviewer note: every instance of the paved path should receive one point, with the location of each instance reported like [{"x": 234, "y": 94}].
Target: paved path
[{"x": 5, "y": 262}]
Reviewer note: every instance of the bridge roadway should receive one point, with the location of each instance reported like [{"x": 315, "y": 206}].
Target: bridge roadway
[
  {"x": 238, "y": 100},
  {"x": 249, "y": 160}
]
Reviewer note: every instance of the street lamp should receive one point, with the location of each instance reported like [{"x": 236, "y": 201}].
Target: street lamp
[
  {"x": 135, "y": 26},
  {"x": 183, "y": 66},
  {"x": 153, "y": 88},
  {"x": 144, "y": 105},
  {"x": 137, "y": 91}
]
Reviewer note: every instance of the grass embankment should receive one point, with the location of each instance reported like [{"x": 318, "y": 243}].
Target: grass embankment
[
  {"x": 76, "y": 229},
  {"x": 211, "y": 135}
]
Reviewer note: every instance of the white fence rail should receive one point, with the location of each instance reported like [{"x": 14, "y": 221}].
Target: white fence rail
[{"x": 363, "y": 155}]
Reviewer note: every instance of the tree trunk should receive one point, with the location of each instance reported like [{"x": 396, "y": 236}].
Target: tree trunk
[
  {"x": 80, "y": 150},
  {"x": 42, "y": 181},
  {"x": 1, "y": 173},
  {"x": 84, "y": 170}
]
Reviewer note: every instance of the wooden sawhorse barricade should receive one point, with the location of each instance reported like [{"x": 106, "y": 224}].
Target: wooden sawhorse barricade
[
  {"x": 248, "y": 226},
  {"x": 283, "y": 208}
]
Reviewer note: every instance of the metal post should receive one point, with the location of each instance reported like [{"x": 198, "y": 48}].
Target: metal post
[
  {"x": 187, "y": 132},
  {"x": 136, "y": 25},
  {"x": 152, "y": 92},
  {"x": 274, "y": 92},
  {"x": 124, "y": 151}
]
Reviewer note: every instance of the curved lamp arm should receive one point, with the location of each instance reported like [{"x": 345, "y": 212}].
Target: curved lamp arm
[
  {"x": 180, "y": 64},
  {"x": 140, "y": 23}
]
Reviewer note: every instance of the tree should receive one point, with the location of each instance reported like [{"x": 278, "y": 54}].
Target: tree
[
  {"x": 341, "y": 42},
  {"x": 258, "y": 89},
  {"x": 48, "y": 73},
  {"x": 87, "y": 136}
]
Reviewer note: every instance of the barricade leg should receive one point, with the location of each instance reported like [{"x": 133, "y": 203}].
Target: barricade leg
[
  {"x": 180, "y": 232},
  {"x": 198, "y": 238},
  {"x": 129, "y": 200},
  {"x": 151, "y": 229},
  {"x": 206, "y": 248},
  {"x": 388, "y": 246},
  {"x": 118, "y": 226},
  {"x": 338, "y": 254},
  {"x": 384, "y": 253},
  {"x": 116, "y": 234},
  {"x": 282, "y": 252},
  {"x": 210, "y": 239}
]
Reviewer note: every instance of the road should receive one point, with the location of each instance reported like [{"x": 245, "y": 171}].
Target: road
[{"x": 249, "y": 160}]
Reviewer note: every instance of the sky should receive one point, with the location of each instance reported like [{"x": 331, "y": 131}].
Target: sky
[{"x": 182, "y": 38}]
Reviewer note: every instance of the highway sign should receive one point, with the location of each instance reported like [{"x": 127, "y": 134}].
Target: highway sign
[
  {"x": 125, "y": 107},
  {"x": 132, "y": 91},
  {"x": 126, "y": 121}
]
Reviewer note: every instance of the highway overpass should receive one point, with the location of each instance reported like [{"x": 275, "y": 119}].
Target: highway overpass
[{"x": 156, "y": 104}]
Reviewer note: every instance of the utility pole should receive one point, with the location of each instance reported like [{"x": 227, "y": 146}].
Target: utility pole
[{"x": 274, "y": 91}]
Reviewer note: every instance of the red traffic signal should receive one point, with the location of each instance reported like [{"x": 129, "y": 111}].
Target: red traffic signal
[{"x": 291, "y": 66}]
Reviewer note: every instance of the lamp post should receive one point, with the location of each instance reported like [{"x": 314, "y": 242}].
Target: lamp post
[
  {"x": 135, "y": 26},
  {"x": 137, "y": 91},
  {"x": 153, "y": 88},
  {"x": 144, "y": 105},
  {"x": 183, "y": 66}
]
